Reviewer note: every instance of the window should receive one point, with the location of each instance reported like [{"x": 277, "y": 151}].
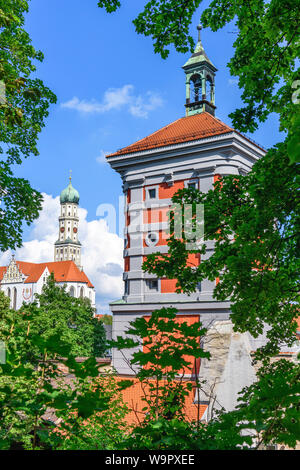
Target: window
[
  {"x": 81, "y": 292},
  {"x": 196, "y": 88},
  {"x": 152, "y": 284},
  {"x": 15, "y": 298},
  {"x": 152, "y": 238},
  {"x": 152, "y": 193},
  {"x": 192, "y": 184},
  {"x": 126, "y": 287}
]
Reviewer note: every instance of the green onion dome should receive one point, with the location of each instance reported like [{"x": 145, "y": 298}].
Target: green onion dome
[{"x": 69, "y": 195}]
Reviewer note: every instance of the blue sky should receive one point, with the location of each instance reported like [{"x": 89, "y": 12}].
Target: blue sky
[{"x": 89, "y": 52}]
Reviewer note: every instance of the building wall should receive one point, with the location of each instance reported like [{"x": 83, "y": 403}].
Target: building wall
[{"x": 160, "y": 173}]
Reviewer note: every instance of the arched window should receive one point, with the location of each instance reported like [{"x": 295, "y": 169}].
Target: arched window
[
  {"x": 72, "y": 292},
  {"x": 81, "y": 292},
  {"x": 209, "y": 89},
  {"x": 196, "y": 88},
  {"x": 8, "y": 293},
  {"x": 15, "y": 298}
]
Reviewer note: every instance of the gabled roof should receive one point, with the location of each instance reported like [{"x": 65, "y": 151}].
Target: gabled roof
[
  {"x": 64, "y": 271},
  {"x": 185, "y": 129}
]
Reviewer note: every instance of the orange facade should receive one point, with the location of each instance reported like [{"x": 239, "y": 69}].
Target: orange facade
[
  {"x": 166, "y": 191},
  {"x": 127, "y": 263},
  {"x": 190, "y": 320}
]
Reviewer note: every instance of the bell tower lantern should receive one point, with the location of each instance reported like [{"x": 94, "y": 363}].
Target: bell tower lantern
[{"x": 200, "y": 81}]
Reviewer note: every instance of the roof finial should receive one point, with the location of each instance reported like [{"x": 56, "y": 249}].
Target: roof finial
[
  {"x": 70, "y": 177},
  {"x": 199, "y": 27}
]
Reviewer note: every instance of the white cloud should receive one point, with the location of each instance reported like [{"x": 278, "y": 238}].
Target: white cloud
[
  {"x": 116, "y": 99},
  {"x": 102, "y": 157},
  {"x": 233, "y": 81},
  {"x": 101, "y": 250},
  {"x": 141, "y": 108}
]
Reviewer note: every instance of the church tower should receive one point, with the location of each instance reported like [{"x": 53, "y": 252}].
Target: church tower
[
  {"x": 200, "y": 81},
  {"x": 68, "y": 247}
]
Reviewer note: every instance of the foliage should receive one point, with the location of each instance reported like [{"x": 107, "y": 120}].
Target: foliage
[
  {"x": 24, "y": 103},
  {"x": 264, "y": 60},
  {"x": 254, "y": 220},
  {"x": 271, "y": 405},
  {"x": 106, "y": 319},
  {"x": 55, "y": 311},
  {"x": 267, "y": 412},
  {"x": 103, "y": 430},
  {"x": 34, "y": 391}
]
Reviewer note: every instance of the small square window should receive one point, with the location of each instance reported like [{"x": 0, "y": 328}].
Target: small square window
[
  {"x": 152, "y": 284},
  {"x": 192, "y": 184},
  {"x": 152, "y": 193}
]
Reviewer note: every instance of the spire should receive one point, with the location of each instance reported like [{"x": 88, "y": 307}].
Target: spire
[
  {"x": 199, "y": 27},
  {"x": 68, "y": 247},
  {"x": 200, "y": 81},
  {"x": 199, "y": 46}
]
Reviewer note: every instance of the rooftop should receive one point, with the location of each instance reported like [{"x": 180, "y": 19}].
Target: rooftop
[
  {"x": 64, "y": 271},
  {"x": 185, "y": 129}
]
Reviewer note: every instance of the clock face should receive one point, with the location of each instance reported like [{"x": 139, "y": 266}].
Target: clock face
[
  {"x": 62, "y": 229},
  {"x": 75, "y": 230}
]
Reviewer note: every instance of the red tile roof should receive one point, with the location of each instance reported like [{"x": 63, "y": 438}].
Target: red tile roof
[
  {"x": 185, "y": 129},
  {"x": 64, "y": 271},
  {"x": 2, "y": 271},
  {"x": 133, "y": 395}
]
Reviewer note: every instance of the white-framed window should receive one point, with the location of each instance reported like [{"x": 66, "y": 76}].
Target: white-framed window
[
  {"x": 152, "y": 238},
  {"x": 151, "y": 193},
  {"x": 192, "y": 184},
  {"x": 152, "y": 285}
]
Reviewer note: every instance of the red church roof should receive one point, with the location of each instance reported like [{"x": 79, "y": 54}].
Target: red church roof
[
  {"x": 185, "y": 129},
  {"x": 64, "y": 271}
]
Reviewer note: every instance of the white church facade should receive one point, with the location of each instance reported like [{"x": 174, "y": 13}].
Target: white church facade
[{"x": 22, "y": 280}]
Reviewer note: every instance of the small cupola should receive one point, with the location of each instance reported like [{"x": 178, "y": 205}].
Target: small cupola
[{"x": 200, "y": 81}]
